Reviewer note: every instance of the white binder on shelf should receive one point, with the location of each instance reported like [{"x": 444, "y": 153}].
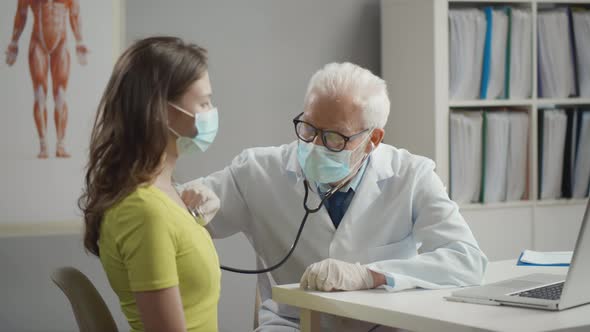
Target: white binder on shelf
[
  {"x": 554, "y": 128},
  {"x": 497, "y": 78},
  {"x": 467, "y": 36},
  {"x": 581, "y": 21},
  {"x": 521, "y": 55},
  {"x": 556, "y": 67},
  {"x": 516, "y": 177},
  {"x": 582, "y": 161},
  {"x": 496, "y": 159},
  {"x": 466, "y": 155}
]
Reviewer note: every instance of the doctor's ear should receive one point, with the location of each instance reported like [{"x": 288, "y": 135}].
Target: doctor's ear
[{"x": 376, "y": 138}]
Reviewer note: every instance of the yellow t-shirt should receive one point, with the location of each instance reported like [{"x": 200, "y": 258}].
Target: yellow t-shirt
[{"x": 149, "y": 242}]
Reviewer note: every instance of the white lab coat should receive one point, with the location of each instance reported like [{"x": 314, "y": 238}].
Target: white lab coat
[{"x": 400, "y": 221}]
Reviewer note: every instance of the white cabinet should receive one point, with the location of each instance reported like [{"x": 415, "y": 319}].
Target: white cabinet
[{"x": 502, "y": 233}]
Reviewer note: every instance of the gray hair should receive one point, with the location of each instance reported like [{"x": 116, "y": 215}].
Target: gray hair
[{"x": 368, "y": 91}]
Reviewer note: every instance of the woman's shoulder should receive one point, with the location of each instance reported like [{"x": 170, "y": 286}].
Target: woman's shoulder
[{"x": 144, "y": 205}]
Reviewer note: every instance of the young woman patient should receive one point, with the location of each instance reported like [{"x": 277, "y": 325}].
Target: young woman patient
[{"x": 159, "y": 259}]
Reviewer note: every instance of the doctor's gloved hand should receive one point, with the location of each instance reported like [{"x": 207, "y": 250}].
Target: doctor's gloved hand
[
  {"x": 201, "y": 200},
  {"x": 332, "y": 275}
]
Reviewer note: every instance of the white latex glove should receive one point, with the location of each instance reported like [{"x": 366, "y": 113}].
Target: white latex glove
[
  {"x": 201, "y": 200},
  {"x": 331, "y": 274}
]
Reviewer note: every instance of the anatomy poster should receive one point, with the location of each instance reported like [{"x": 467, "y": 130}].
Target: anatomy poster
[{"x": 57, "y": 56}]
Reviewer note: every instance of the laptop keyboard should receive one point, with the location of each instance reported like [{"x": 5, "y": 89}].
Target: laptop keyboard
[{"x": 550, "y": 292}]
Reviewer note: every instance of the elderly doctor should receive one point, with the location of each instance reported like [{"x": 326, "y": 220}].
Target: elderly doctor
[{"x": 391, "y": 225}]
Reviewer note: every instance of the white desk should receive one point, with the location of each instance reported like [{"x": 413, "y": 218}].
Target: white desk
[{"x": 426, "y": 310}]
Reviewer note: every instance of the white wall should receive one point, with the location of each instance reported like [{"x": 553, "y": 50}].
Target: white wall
[
  {"x": 30, "y": 300},
  {"x": 262, "y": 53}
]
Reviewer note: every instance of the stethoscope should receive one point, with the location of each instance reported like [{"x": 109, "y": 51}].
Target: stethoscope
[
  {"x": 308, "y": 211},
  {"x": 197, "y": 214}
]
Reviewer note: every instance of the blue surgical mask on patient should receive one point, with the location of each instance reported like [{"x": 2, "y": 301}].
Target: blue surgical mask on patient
[
  {"x": 207, "y": 124},
  {"x": 324, "y": 166}
]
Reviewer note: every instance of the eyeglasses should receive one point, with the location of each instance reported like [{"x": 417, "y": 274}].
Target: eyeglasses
[{"x": 332, "y": 140}]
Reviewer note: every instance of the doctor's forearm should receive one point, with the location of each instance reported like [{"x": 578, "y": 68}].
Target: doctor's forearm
[{"x": 459, "y": 265}]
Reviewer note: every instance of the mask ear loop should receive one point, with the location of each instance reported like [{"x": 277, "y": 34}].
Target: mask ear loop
[
  {"x": 178, "y": 108},
  {"x": 365, "y": 157},
  {"x": 173, "y": 131}
]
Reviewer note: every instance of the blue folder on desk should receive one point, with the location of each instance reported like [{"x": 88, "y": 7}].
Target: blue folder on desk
[{"x": 533, "y": 258}]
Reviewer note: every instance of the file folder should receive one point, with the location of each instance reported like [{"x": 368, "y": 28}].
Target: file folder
[
  {"x": 466, "y": 155},
  {"x": 467, "y": 29},
  {"x": 499, "y": 47},
  {"x": 552, "y": 135},
  {"x": 487, "y": 54},
  {"x": 520, "y": 61},
  {"x": 581, "y": 23},
  {"x": 496, "y": 160},
  {"x": 582, "y": 160},
  {"x": 555, "y": 58},
  {"x": 517, "y": 165}
]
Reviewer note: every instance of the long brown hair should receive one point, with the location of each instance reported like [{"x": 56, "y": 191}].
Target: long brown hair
[{"x": 130, "y": 130}]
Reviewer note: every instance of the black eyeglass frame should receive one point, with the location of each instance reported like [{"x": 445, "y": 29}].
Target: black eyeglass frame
[{"x": 324, "y": 133}]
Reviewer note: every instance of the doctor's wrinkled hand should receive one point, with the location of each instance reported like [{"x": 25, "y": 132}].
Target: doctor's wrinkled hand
[
  {"x": 201, "y": 200},
  {"x": 334, "y": 275}
]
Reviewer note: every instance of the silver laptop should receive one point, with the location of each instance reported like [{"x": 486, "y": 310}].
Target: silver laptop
[{"x": 541, "y": 291}]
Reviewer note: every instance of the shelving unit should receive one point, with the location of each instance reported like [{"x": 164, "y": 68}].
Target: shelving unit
[
  {"x": 415, "y": 64},
  {"x": 490, "y": 103}
]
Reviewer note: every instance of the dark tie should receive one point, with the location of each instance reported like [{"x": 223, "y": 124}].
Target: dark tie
[{"x": 338, "y": 204}]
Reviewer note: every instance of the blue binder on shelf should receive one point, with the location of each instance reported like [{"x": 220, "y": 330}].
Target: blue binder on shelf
[{"x": 487, "y": 54}]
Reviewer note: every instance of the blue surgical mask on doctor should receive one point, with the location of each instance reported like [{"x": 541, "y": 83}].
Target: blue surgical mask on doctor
[
  {"x": 207, "y": 124},
  {"x": 321, "y": 165}
]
